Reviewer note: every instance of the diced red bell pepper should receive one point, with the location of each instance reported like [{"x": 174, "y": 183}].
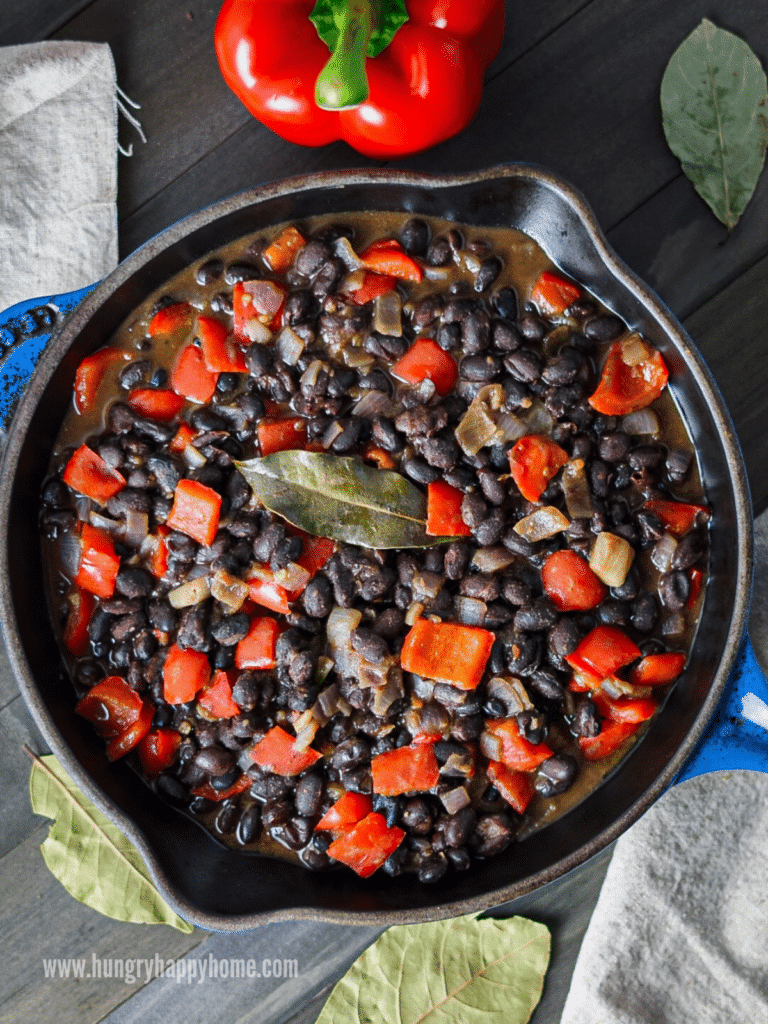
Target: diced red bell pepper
[
  {"x": 448, "y": 652},
  {"x": 133, "y": 735},
  {"x": 268, "y": 593},
  {"x": 366, "y": 846},
  {"x": 657, "y": 669},
  {"x": 552, "y": 294},
  {"x": 570, "y": 583},
  {"x": 90, "y": 374},
  {"x": 158, "y": 750},
  {"x": 191, "y": 378},
  {"x": 277, "y": 753},
  {"x": 624, "y": 389},
  {"x": 533, "y": 462},
  {"x": 515, "y": 787},
  {"x": 282, "y": 252},
  {"x": 220, "y": 353},
  {"x": 624, "y": 709},
  {"x": 257, "y": 649},
  {"x": 347, "y": 811},
  {"x": 282, "y": 435},
  {"x": 379, "y": 457},
  {"x": 426, "y": 360},
  {"x": 444, "y": 511},
  {"x": 315, "y": 552},
  {"x": 205, "y": 789},
  {"x": 88, "y": 474},
  {"x": 111, "y": 706},
  {"x": 387, "y": 257},
  {"x": 158, "y": 556},
  {"x": 372, "y": 287},
  {"x": 696, "y": 577},
  {"x": 216, "y": 698},
  {"x": 99, "y": 562},
  {"x": 156, "y": 403},
  {"x": 516, "y": 751},
  {"x": 257, "y": 304},
  {"x": 181, "y": 438},
  {"x": 603, "y": 651},
  {"x": 608, "y": 740},
  {"x": 584, "y": 682},
  {"x": 170, "y": 319},
  {"x": 195, "y": 511},
  {"x": 75, "y": 636},
  {"x": 678, "y": 516},
  {"x": 411, "y": 769},
  {"x": 185, "y": 673}
]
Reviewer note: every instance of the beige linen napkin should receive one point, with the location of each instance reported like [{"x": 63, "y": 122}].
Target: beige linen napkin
[
  {"x": 58, "y": 168},
  {"x": 680, "y": 931}
]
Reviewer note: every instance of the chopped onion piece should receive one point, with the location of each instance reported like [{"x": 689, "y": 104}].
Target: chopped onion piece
[
  {"x": 490, "y": 746},
  {"x": 306, "y": 734},
  {"x": 432, "y": 719},
  {"x": 478, "y": 425},
  {"x": 352, "y": 282},
  {"x": 357, "y": 358},
  {"x": 422, "y": 688},
  {"x": 663, "y": 551},
  {"x": 189, "y": 593},
  {"x": 372, "y": 404},
  {"x": 511, "y": 692},
  {"x": 462, "y": 765},
  {"x": 427, "y": 585},
  {"x": 308, "y": 379},
  {"x": 136, "y": 528},
  {"x": 543, "y": 523},
  {"x": 611, "y": 558},
  {"x": 424, "y": 391},
  {"x": 470, "y": 611},
  {"x": 324, "y": 666},
  {"x": 343, "y": 249},
  {"x": 104, "y": 522},
  {"x": 436, "y": 273},
  {"x": 492, "y": 559},
  {"x": 616, "y": 688},
  {"x": 644, "y": 421},
  {"x": 293, "y": 577},
  {"x": 578, "y": 499},
  {"x": 331, "y": 434},
  {"x": 289, "y": 346},
  {"x": 228, "y": 589},
  {"x": 455, "y": 799},
  {"x": 635, "y": 350},
  {"x": 327, "y": 703},
  {"x": 388, "y": 314},
  {"x": 385, "y": 696},
  {"x": 193, "y": 457},
  {"x": 256, "y": 331},
  {"x": 414, "y": 612},
  {"x": 83, "y": 508}
]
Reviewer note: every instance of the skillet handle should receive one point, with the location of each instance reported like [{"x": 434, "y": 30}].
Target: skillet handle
[
  {"x": 25, "y": 330},
  {"x": 737, "y": 736}
]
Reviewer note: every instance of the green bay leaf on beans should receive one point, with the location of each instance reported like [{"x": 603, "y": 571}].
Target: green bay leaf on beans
[
  {"x": 714, "y": 104},
  {"x": 90, "y": 856},
  {"x": 473, "y": 971},
  {"x": 341, "y": 498}
]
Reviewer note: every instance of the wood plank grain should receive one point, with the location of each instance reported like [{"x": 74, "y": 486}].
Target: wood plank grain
[
  {"x": 16, "y": 728},
  {"x": 40, "y": 920},
  {"x": 730, "y": 331},
  {"x": 25, "y": 22}
]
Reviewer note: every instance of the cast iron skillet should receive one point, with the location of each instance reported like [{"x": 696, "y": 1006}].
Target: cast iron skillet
[{"x": 220, "y": 889}]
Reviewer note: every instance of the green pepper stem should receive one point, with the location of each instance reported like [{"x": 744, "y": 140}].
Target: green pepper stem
[{"x": 343, "y": 82}]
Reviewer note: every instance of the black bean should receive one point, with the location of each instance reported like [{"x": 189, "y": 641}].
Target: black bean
[
  {"x": 629, "y": 589},
  {"x": 480, "y": 368},
  {"x": 172, "y": 790},
  {"x": 516, "y": 591},
  {"x": 416, "y": 817},
  {"x": 419, "y": 470},
  {"x": 134, "y": 582},
  {"x": 476, "y": 333},
  {"x": 487, "y": 274},
  {"x": 481, "y": 586},
  {"x": 311, "y": 257},
  {"x": 468, "y": 727},
  {"x": 524, "y": 365},
  {"x": 555, "y": 775},
  {"x": 439, "y": 252},
  {"x": 536, "y": 617},
  {"x": 563, "y": 368},
  {"x": 129, "y": 500},
  {"x": 459, "y": 827},
  {"x": 161, "y": 616},
  {"x": 265, "y": 544},
  {"x": 369, "y": 645},
  {"x": 328, "y": 277},
  {"x": 448, "y": 336},
  {"x": 231, "y": 629},
  {"x": 646, "y": 456},
  {"x": 276, "y": 812},
  {"x": 442, "y": 451},
  {"x": 249, "y": 825},
  {"x": 614, "y": 447},
  {"x": 493, "y": 833},
  {"x": 604, "y": 328},
  {"x": 674, "y": 589},
  {"x": 678, "y": 464},
  {"x": 215, "y": 761},
  {"x": 349, "y": 436},
  {"x": 135, "y": 373},
  {"x": 241, "y": 271},
  {"x": 504, "y": 302},
  {"x": 586, "y": 721},
  {"x": 222, "y": 782},
  {"x": 689, "y": 550},
  {"x": 209, "y": 272},
  {"x": 385, "y": 435},
  {"x": 351, "y": 753},
  {"x": 414, "y": 236},
  {"x": 193, "y": 629},
  {"x": 310, "y": 790},
  {"x": 532, "y": 328},
  {"x": 547, "y": 684},
  {"x": 644, "y": 613}
]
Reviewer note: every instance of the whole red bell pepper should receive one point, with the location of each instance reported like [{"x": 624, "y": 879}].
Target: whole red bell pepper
[{"x": 390, "y": 77}]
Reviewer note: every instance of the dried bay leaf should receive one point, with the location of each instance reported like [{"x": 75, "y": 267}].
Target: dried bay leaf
[
  {"x": 341, "y": 498},
  {"x": 90, "y": 856},
  {"x": 469, "y": 970},
  {"x": 714, "y": 103}
]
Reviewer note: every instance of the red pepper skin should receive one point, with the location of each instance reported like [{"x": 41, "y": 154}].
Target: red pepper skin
[
  {"x": 517, "y": 752},
  {"x": 282, "y": 435},
  {"x": 411, "y": 769},
  {"x": 366, "y": 846},
  {"x": 570, "y": 583},
  {"x": 624, "y": 389},
  {"x": 111, "y": 706},
  {"x": 216, "y": 698},
  {"x": 678, "y": 516},
  {"x": 276, "y": 752},
  {"x": 195, "y": 511},
  {"x": 658, "y": 669},
  {"x": 448, "y": 652},
  {"x": 206, "y": 789},
  {"x": 87, "y": 473},
  {"x": 607, "y": 741},
  {"x": 90, "y": 374},
  {"x": 346, "y": 812},
  {"x": 603, "y": 651},
  {"x": 533, "y": 462},
  {"x": 134, "y": 734},
  {"x": 257, "y": 650},
  {"x": 99, "y": 563},
  {"x": 625, "y": 709},
  {"x": 157, "y": 751},
  {"x": 156, "y": 403},
  {"x": 75, "y": 636},
  {"x": 444, "y": 511},
  {"x": 552, "y": 294},
  {"x": 191, "y": 378},
  {"x": 425, "y": 359},
  {"x": 425, "y": 86},
  {"x": 515, "y": 787},
  {"x": 185, "y": 673}
]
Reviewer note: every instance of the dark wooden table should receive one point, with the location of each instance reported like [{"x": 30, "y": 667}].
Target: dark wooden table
[{"x": 575, "y": 88}]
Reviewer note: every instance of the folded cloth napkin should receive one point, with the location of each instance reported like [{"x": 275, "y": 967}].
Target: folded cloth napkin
[
  {"x": 680, "y": 931},
  {"x": 58, "y": 168}
]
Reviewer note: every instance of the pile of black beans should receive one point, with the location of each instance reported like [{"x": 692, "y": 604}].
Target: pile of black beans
[{"x": 493, "y": 341}]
